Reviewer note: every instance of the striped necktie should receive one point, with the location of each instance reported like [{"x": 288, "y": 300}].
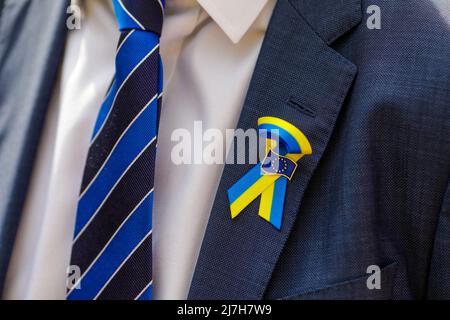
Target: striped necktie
[{"x": 112, "y": 244}]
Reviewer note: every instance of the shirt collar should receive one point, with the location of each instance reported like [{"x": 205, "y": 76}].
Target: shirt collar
[{"x": 234, "y": 17}]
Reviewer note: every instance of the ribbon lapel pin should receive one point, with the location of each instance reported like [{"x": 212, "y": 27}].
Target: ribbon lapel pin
[{"x": 285, "y": 146}]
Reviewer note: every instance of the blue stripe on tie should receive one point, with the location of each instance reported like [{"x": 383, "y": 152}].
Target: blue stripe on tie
[
  {"x": 123, "y": 17},
  {"x": 147, "y": 294},
  {"x": 137, "y": 46},
  {"x": 134, "y": 50},
  {"x": 138, "y": 136},
  {"x": 128, "y": 194},
  {"x": 137, "y": 269},
  {"x": 135, "y": 95},
  {"x": 243, "y": 184},
  {"x": 126, "y": 239}
]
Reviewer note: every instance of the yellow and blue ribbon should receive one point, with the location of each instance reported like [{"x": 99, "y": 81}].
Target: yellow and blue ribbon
[{"x": 286, "y": 145}]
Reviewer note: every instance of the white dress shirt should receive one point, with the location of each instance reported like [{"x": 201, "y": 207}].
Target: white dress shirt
[{"x": 209, "y": 49}]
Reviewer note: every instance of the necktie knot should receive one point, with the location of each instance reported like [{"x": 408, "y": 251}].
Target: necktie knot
[{"x": 146, "y": 15}]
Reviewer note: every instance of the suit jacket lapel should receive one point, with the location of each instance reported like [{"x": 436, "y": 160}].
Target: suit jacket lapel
[
  {"x": 32, "y": 37},
  {"x": 298, "y": 78}
]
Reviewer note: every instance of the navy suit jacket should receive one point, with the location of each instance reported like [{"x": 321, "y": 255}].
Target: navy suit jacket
[{"x": 375, "y": 105}]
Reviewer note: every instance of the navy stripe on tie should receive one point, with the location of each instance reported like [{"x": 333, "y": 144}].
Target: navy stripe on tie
[
  {"x": 149, "y": 13},
  {"x": 134, "y": 140},
  {"x": 115, "y": 209},
  {"x": 134, "y": 96},
  {"x": 133, "y": 277},
  {"x": 123, "y": 36},
  {"x": 136, "y": 48}
]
